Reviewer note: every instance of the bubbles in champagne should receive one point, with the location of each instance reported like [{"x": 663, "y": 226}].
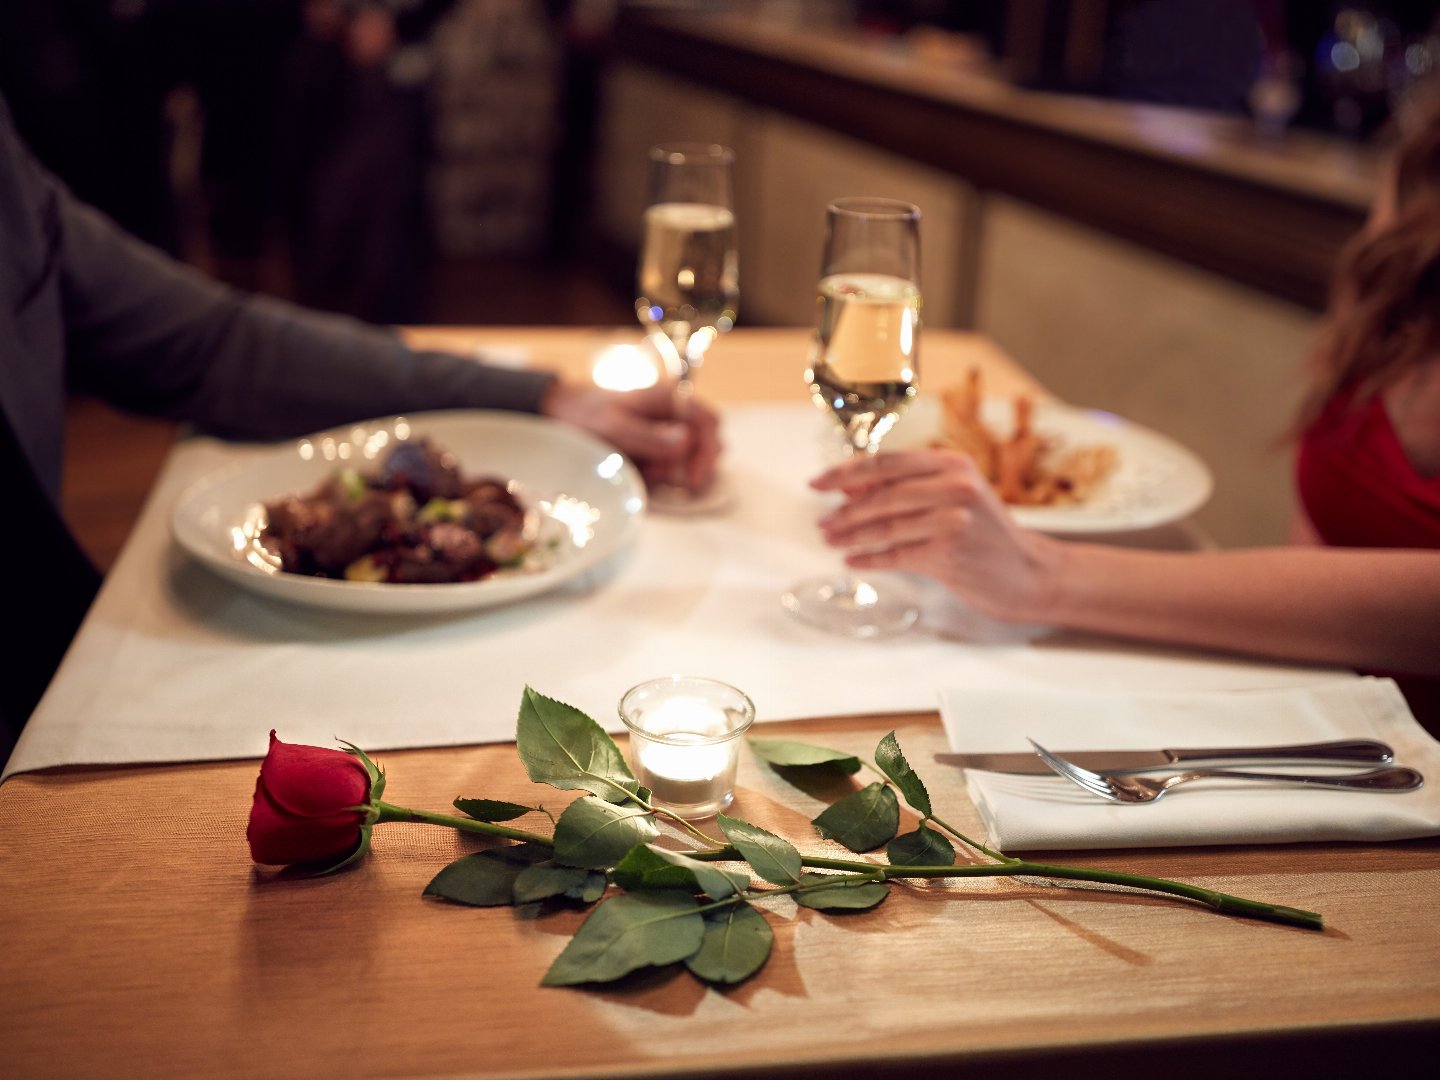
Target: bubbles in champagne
[
  {"x": 865, "y": 360},
  {"x": 689, "y": 274}
]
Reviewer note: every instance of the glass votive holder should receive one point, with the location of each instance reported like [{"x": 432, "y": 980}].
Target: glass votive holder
[{"x": 685, "y": 734}]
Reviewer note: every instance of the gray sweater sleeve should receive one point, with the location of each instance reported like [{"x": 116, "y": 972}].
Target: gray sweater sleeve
[{"x": 155, "y": 336}]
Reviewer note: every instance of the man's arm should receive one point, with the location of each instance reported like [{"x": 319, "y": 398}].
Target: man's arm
[{"x": 155, "y": 336}]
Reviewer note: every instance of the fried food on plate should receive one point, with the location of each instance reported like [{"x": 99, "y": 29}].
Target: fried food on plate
[{"x": 1027, "y": 468}]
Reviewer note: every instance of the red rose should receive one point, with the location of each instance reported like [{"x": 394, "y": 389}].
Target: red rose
[{"x": 304, "y": 808}]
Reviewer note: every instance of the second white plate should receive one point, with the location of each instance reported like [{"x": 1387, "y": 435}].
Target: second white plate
[{"x": 1156, "y": 480}]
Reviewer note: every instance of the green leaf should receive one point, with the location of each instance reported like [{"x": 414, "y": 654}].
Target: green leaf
[
  {"x": 376, "y": 774},
  {"x": 893, "y": 764},
  {"x": 923, "y": 847},
  {"x": 486, "y": 878},
  {"x": 648, "y": 867},
  {"x": 589, "y": 890},
  {"x": 774, "y": 859},
  {"x": 824, "y": 892},
  {"x": 493, "y": 809},
  {"x": 862, "y": 820},
  {"x": 595, "y": 834},
  {"x": 736, "y": 945},
  {"x": 789, "y": 754},
  {"x": 544, "y": 880},
  {"x": 629, "y": 931},
  {"x": 561, "y": 746},
  {"x": 361, "y": 849}
]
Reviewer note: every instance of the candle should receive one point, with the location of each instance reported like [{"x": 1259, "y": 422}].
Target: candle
[
  {"x": 678, "y": 758},
  {"x": 685, "y": 741},
  {"x": 685, "y": 775}
]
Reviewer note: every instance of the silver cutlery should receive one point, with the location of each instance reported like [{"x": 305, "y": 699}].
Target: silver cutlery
[
  {"x": 1145, "y": 789},
  {"x": 1337, "y": 752}
]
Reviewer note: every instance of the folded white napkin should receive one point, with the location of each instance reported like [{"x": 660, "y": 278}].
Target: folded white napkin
[{"x": 1045, "y": 812}]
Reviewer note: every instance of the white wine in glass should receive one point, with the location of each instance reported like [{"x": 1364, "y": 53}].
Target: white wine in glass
[
  {"x": 864, "y": 363},
  {"x": 687, "y": 282},
  {"x": 864, "y": 369}
]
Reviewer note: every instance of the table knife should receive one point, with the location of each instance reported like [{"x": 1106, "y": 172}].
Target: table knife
[{"x": 1340, "y": 752}]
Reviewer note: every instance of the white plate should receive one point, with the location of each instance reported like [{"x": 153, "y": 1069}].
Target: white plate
[
  {"x": 588, "y": 503},
  {"x": 1156, "y": 480}
]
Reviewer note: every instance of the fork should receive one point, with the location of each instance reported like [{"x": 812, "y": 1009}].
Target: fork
[{"x": 1146, "y": 789}]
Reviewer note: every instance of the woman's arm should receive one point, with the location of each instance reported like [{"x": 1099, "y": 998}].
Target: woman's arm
[
  {"x": 931, "y": 512},
  {"x": 1357, "y": 607}
]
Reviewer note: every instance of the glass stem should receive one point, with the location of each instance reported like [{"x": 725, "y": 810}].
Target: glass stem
[{"x": 684, "y": 394}]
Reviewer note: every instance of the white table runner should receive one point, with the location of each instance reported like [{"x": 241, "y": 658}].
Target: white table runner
[{"x": 174, "y": 664}]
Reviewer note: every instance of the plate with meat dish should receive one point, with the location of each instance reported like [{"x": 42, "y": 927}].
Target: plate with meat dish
[
  {"x": 1062, "y": 470},
  {"x": 443, "y": 511}
]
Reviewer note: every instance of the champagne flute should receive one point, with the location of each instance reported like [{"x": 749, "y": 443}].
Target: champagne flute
[
  {"x": 687, "y": 280},
  {"x": 864, "y": 366}
]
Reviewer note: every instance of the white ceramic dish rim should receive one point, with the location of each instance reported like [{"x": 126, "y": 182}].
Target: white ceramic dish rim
[
  {"x": 1157, "y": 480},
  {"x": 547, "y": 461}
]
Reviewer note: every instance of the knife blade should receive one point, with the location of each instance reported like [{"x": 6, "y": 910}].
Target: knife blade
[{"x": 1338, "y": 752}]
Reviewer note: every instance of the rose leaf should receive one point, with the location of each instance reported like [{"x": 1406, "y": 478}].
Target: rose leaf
[
  {"x": 824, "y": 892},
  {"x": 923, "y": 847},
  {"x": 789, "y": 754},
  {"x": 893, "y": 764},
  {"x": 735, "y": 946},
  {"x": 863, "y": 820},
  {"x": 485, "y": 878},
  {"x": 629, "y": 931},
  {"x": 559, "y": 745},
  {"x": 594, "y": 833},
  {"x": 648, "y": 867},
  {"x": 772, "y": 857},
  {"x": 589, "y": 890},
  {"x": 544, "y": 880},
  {"x": 493, "y": 809}
]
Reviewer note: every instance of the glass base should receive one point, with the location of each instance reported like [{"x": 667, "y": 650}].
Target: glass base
[
  {"x": 852, "y": 606},
  {"x": 678, "y": 499},
  {"x": 698, "y": 811}
]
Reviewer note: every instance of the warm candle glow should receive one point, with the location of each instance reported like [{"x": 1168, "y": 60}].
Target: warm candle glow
[
  {"x": 685, "y": 747},
  {"x": 624, "y": 367}
]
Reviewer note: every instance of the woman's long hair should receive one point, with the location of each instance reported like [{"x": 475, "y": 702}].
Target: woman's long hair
[{"x": 1384, "y": 314}]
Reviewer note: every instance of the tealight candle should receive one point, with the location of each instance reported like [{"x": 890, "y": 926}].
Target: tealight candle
[{"x": 685, "y": 741}]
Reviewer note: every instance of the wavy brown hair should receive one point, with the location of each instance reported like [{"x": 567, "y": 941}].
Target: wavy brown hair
[{"x": 1384, "y": 314}]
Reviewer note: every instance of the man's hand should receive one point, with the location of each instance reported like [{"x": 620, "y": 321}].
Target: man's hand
[{"x": 663, "y": 434}]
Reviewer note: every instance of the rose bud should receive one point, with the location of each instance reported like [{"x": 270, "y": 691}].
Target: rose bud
[{"x": 311, "y": 805}]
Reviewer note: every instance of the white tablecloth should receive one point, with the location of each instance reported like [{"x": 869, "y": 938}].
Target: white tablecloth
[{"x": 174, "y": 664}]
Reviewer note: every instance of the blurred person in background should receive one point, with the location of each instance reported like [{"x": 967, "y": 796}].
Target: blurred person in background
[
  {"x": 354, "y": 143},
  {"x": 1361, "y": 586}
]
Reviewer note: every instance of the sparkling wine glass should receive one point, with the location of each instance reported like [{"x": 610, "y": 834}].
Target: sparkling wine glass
[
  {"x": 687, "y": 280},
  {"x": 864, "y": 367}
]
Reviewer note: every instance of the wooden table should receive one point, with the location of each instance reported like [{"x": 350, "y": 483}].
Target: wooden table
[
  {"x": 139, "y": 940},
  {"x": 761, "y": 364}
]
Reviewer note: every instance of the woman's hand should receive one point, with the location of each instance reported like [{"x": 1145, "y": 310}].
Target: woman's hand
[
  {"x": 660, "y": 433},
  {"x": 931, "y": 512}
]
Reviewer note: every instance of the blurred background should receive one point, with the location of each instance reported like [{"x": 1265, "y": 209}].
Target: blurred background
[
  {"x": 381, "y": 156},
  {"x": 1139, "y": 200}
]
